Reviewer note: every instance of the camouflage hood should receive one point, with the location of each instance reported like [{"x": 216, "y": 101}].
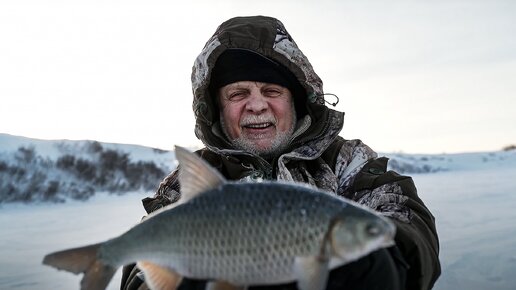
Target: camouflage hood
[{"x": 268, "y": 37}]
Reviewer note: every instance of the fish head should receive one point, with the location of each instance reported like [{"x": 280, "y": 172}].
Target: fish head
[{"x": 357, "y": 231}]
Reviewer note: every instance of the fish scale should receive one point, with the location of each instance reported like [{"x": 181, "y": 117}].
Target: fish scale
[{"x": 261, "y": 227}]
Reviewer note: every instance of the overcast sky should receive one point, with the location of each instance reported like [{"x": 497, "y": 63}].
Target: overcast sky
[{"x": 412, "y": 76}]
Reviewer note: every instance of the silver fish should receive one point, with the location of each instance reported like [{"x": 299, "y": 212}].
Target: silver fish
[{"x": 235, "y": 234}]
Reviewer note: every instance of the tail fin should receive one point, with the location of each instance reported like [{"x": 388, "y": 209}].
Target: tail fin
[{"x": 83, "y": 260}]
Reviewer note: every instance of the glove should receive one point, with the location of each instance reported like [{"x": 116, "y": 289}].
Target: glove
[{"x": 384, "y": 269}]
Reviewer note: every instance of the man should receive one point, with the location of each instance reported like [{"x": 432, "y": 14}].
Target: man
[{"x": 260, "y": 112}]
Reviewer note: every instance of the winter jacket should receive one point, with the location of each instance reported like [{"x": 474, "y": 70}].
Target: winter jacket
[{"x": 317, "y": 155}]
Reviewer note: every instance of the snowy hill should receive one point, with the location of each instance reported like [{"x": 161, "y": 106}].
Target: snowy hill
[
  {"x": 55, "y": 171},
  {"x": 430, "y": 163}
]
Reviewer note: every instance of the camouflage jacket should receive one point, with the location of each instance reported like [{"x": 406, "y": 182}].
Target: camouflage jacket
[{"x": 317, "y": 155}]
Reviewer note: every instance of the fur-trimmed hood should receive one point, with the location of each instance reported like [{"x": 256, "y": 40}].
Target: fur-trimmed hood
[{"x": 268, "y": 37}]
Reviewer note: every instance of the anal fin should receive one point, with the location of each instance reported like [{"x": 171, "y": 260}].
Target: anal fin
[
  {"x": 222, "y": 285},
  {"x": 158, "y": 277}
]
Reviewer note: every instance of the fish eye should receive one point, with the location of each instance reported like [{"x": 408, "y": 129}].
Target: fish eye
[{"x": 373, "y": 230}]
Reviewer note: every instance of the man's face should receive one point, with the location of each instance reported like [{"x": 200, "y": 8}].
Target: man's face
[{"x": 257, "y": 117}]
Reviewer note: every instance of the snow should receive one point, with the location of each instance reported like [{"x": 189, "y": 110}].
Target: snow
[
  {"x": 10, "y": 143},
  {"x": 472, "y": 196},
  {"x": 458, "y": 162},
  {"x": 29, "y": 232},
  {"x": 475, "y": 217},
  {"x": 53, "y": 149},
  {"x": 56, "y": 170}
]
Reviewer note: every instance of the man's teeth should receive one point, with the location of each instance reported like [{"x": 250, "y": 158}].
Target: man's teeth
[{"x": 258, "y": 126}]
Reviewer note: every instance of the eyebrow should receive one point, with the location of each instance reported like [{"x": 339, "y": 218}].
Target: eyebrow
[{"x": 238, "y": 86}]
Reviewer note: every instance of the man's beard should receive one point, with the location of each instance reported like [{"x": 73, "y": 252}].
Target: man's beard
[{"x": 278, "y": 145}]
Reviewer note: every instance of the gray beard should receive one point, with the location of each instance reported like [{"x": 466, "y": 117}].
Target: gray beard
[{"x": 277, "y": 147}]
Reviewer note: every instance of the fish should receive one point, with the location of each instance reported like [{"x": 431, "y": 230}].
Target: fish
[{"x": 235, "y": 234}]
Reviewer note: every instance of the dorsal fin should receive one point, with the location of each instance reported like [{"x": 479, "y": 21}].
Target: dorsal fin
[{"x": 195, "y": 175}]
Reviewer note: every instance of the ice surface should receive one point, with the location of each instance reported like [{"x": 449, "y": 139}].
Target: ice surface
[
  {"x": 475, "y": 214},
  {"x": 29, "y": 232}
]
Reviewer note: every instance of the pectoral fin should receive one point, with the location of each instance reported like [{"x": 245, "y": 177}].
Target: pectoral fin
[
  {"x": 158, "y": 277},
  {"x": 222, "y": 285},
  {"x": 311, "y": 272}
]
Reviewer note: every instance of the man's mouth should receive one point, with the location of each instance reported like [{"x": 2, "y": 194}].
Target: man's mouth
[{"x": 258, "y": 125}]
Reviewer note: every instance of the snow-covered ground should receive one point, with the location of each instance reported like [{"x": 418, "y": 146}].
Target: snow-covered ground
[
  {"x": 29, "y": 232},
  {"x": 473, "y": 197},
  {"x": 475, "y": 215}
]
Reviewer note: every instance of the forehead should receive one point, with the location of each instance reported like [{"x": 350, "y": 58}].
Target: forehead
[
  {"x": 248, "y": 85},
  {"x": 241, "y": 84}
]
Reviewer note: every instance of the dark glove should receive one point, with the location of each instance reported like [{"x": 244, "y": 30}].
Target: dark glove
[{"x": 384, "y": 269}]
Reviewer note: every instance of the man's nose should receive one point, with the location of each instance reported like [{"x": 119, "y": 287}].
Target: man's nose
[{"x": 257, "y": 102}]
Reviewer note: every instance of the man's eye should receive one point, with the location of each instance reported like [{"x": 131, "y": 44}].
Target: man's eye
[
  {"x": 273, "y": 93},
  {"x": 236, "y": 96}
]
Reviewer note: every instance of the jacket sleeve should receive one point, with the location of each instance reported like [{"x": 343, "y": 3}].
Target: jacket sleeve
[
  {"x": 131, "y": 279},
  {"x": 364, "y": 178}
]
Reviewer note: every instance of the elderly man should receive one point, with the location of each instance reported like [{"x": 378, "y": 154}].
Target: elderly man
[{"x": 261, "y": 114}]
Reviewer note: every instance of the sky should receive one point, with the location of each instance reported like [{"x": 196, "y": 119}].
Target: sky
[{"x": 412, "y": 76}]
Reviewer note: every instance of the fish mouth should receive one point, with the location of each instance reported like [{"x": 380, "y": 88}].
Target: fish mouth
[
  {"x": 389, "y": 238},
  {"x": 387, "y": 242}
]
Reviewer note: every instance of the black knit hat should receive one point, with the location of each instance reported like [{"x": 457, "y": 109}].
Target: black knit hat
[{"x": 235, "y": 65}]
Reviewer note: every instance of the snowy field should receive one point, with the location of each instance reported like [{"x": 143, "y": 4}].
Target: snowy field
[
  {"x": 29, "y": 232},
  {"x": 474, "y": 209},
  {"x": 475, "y": 213}
]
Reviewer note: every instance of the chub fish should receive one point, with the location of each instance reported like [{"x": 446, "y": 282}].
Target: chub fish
[{"x": 235, "y": 234}]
